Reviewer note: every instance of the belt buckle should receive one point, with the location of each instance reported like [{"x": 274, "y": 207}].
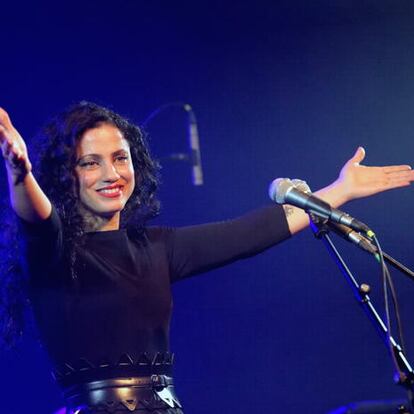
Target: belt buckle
[
  {"x": 158, "y": 381},
  {"x": 160, "y": 386}
]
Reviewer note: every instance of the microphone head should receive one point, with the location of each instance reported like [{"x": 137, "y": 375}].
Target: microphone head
[
  {"x": 301, "y": 185},
  {"x": 279, "y": 188}
]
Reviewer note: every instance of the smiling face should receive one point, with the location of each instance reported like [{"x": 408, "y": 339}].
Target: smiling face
[{"x": 105, "y": 174}]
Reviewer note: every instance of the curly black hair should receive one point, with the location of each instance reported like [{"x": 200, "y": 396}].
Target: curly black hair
[
  {"x": 55, "y": 172},
  {"x": 58, "y": 159}
]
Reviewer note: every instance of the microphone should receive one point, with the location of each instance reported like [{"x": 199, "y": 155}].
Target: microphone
[
  {"x": 194, "y": 142},
  {"x": 343, "y": 231},
  {"x": 353, "y": 237},
  {"x": 283, "y": 191}
]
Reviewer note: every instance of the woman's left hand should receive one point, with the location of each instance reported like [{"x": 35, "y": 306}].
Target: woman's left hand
[
  {"x": 358, "y": 180},
  {"x": 354, "y": 181}
]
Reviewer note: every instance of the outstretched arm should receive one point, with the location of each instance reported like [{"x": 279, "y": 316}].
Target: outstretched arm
[
  {"x": 27, "y": 198},
  {"x": 354, "y": 181}
]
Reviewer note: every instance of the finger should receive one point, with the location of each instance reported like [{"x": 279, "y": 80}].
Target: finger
[
  {"x": 405, "y": 174},
  {"x": 358, "y": 156},
  {"x": 8, "y": 152},
  {"x": 396, "y": 168},
  {"x": 402, "y": 180},
  {"x": 398, "y": 184},
  {"x": 5, "y": 119},
  {"x": 6, "y": 146},
  {"x": 2, "y": 133},
  {"x": 11, "y": 150},
  {"x": 5, "y": 136},
  {"x": 15, "y": 154}
]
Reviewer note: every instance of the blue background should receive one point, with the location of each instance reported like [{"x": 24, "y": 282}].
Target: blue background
[{"x": 280, "y": 89}]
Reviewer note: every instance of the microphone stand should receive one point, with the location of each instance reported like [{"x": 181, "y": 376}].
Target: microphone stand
[
  {"x": 399, "y": 266},
  {"x": 406, "y": 376}
]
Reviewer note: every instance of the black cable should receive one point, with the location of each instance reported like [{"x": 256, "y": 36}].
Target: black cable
[
  {"x": 388, "y": 284},
  {"x": 162, "y": 108}
]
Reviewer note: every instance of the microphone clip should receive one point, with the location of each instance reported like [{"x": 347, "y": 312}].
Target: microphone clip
[{"x": 318, "y": 225}]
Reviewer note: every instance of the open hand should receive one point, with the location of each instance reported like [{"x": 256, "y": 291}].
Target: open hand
[
  {"x": 359, "y": 180},
  {"x": 13, "y": 148}
]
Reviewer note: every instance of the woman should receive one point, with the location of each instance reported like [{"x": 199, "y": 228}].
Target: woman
[{"x": 99, "y": 279}]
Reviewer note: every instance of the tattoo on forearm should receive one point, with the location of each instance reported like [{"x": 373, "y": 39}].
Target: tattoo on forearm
[{"x": 288, "y": 210}]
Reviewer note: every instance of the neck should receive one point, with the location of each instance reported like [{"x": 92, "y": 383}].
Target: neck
[{"x": 93, "y": 222}]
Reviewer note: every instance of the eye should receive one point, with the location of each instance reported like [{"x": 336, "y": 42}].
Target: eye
[
  {"x": 121, "y": 159},
  {"x": 88, "y": 164}
]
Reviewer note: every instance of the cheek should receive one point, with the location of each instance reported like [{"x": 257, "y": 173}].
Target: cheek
[
  {"x": 130, "y": 173},
  {"x": 85, "y": 181}
]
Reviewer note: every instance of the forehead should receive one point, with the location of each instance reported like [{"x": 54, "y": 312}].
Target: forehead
[{"x": 104, "y": 139}]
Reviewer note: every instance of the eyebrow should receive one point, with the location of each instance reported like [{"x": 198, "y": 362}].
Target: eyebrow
[{"x": 118, "y": 152}]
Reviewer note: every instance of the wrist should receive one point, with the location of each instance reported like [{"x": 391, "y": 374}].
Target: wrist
[
  {"x": 336, "y": 193},
  {"x": 17, "y": 173}
]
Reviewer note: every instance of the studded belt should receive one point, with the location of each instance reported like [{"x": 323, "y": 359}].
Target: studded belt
[{"x": 155, "y": 392}]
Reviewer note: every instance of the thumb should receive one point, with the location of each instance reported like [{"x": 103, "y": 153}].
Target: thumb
[{"x": 358, "y": 156}]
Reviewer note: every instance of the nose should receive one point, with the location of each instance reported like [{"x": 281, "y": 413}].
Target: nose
[{"x": 110, "y": 173}]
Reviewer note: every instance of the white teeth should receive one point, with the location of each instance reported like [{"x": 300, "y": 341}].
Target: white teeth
[{"x": 110, "y": 190}]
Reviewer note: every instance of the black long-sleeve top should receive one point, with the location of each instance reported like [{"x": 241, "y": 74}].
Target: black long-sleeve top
[{"x": 113, "y": 319}]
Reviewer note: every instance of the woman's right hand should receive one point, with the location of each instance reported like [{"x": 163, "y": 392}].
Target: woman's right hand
[{"x": 14, "y": 149}]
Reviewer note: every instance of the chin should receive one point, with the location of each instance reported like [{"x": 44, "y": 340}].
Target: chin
[
  {"x": 108, "y": 212},
  {"x": 104, "y": 210}
]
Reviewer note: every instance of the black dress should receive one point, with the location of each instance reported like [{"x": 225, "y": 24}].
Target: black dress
[{"x": 111, "y": 323}]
